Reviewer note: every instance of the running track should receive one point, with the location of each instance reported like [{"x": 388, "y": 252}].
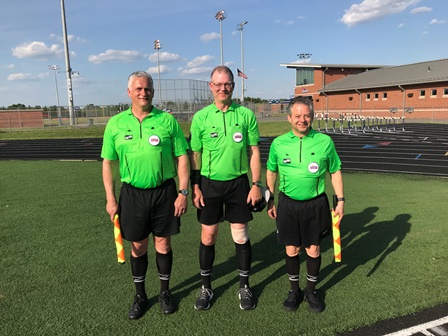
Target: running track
[{"x": 415, "y": 149}]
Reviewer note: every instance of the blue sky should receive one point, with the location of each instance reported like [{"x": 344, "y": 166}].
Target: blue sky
[{"x": 109, "y": 39}]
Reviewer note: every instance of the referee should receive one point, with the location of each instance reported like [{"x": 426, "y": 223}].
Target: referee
[
  {"x": 301, "y": 159},
  {"x": 221, "y": 135},
  {"x": 151, "y": 150}
]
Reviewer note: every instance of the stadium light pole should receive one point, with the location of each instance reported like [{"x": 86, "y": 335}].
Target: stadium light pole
[
  {"x": 240, "y": 28},
  {"x": 68, "y": 71},
  {"x": 304, "y": 56},
  {"x": 158, "y": 46},
  {"x": 56, "y": 68},
  {"x": 221, "y": 15}
]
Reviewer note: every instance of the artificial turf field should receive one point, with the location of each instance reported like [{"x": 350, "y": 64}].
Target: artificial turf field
[{"x": 60, "y": 276}]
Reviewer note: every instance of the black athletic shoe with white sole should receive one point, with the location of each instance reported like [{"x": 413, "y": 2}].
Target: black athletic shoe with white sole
[
  {"x": 247, "y": 301},
  {"x": 204, "y": 297}
]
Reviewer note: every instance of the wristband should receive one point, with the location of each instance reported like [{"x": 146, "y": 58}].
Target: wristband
[
  {"x": 341, "y": 199},
  {"x": 195, "y": 177}
]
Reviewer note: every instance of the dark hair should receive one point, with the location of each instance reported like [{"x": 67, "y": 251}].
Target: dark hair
[
  {"x": 304, "y": 100},
  {"x": 222, "y": 68}
]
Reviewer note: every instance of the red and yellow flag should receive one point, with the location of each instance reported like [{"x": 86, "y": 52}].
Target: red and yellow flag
[{"x": 118, "y": 241}]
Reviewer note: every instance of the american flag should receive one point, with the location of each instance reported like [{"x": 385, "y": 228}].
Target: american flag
[{"x": 240, "y": 74}]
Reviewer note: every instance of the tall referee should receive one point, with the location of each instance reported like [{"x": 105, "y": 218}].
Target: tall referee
[
  {"x": 302, "y": 158},
  {"x": 221, "y": 134}
]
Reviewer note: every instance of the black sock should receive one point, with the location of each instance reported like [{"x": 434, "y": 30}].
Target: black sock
[
  {"x": 206, "y": 260},
  {"x": 293, "y": 270},
  {"x": 312, "y": 267},
  {"x": 243, "y": 254},
  {"x": 164, "y": 264},
  {"x": 139, "y": 266}
]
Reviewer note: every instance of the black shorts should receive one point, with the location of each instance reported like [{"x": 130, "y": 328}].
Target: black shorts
[
  {"x": 303, "y": 223},
  {"x": 146, "y": 211},
  {"x": 231, "y": 195}
]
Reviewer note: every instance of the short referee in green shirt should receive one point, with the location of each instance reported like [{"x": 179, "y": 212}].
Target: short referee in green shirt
[
  {"x": 151, "y": 150},
  {"x": 301, "y": 159},
  {"x": 220, "y": 136}
]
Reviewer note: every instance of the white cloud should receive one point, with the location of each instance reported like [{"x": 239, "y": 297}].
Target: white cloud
[
  {"x": 209, "y": 36},
  {"x": 9, "y": 66},
  {"x": 164, "y": 57},
  {"x": 27, "y": 76},
  {"x": 155, "y": 71},
  {"x": 70, "y": 38},
  {"x": 200, "y": 60},
  {"x": 421, "y": 10},
  {"x": 435, "y": 21},
  {"x": 195, "y": 71},
  {"x": 115, "y": 55},
  {"x": 286, "y": 23},
  {"x": 401, "y": 25},
  {"x": 369, "y": 10},
  {"x": 38, "y": 50}
]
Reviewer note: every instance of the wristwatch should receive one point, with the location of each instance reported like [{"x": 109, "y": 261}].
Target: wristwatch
[
  {"x": 258, "y": 184},
  {"x": 183, "y": 192},
  {"x": 341, "y": 199}
]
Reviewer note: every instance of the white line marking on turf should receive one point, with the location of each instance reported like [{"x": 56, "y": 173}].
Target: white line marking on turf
[{"x": 422, "y": 328}]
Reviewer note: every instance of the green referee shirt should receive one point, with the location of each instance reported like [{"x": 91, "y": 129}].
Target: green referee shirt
[
  {"x": 302, "y": 163},
  {"x": 146, "y": 150},
  {"x": 223, "y": 138}
]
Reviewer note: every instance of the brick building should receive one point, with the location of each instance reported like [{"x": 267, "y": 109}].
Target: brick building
[{"x": 417, "y": 91}]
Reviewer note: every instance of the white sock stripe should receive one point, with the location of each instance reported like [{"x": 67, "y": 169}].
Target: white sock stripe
[
  {"x": 311, "y": 278},
  {"x": 139, "y": 278},
  {"x": 164, "y": 276},
  {"x": 206, "y": 272}
]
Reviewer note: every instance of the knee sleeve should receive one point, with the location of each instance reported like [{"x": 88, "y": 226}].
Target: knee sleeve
[{"x": 240, "y": 236}]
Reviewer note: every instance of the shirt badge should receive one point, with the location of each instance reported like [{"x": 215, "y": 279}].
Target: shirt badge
[
  {"x": 128, "y": 137},
  {"x": 238, "y": 137},
  {"x": 287, "y": 160},
  {"x": 154, "y": 140},
  {"x": 214, "y": 135},
  {"x": 313, "y": 167}
]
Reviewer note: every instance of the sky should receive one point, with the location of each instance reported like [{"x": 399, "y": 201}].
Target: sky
[{"x": 110, "y": 39}]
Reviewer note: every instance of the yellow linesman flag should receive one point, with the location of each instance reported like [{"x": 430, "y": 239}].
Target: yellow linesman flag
[
  {"x": 118, "y": 241},
  {"x": 336, "y": 237}
]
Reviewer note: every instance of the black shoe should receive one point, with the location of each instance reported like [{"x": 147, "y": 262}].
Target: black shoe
[
  {"x": 138, "y": 308},
  {"x": 247, "y": 301},
  {"x": 166, "y": 304},
  {"x": 203, "y": 299},
  {"x": 293, "y": 300},
  {"x": 314, "y": 304}
]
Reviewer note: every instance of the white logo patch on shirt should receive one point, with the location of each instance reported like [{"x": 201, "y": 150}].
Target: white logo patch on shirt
[
  {"x": 154, "y": 140},
  {"x": 313, "y": 167},
  {"x": 237, "y": 137}
]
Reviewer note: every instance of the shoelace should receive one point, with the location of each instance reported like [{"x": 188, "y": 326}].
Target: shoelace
[
  {"x": 245, "y": 293},
  {"x": 204, "y": 293}
]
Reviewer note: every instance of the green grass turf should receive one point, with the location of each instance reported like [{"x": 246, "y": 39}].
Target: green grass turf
[{"x": 60, "y": 276}]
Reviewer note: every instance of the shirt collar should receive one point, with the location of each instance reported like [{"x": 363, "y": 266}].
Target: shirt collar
[{"x": 310, "y": 134}]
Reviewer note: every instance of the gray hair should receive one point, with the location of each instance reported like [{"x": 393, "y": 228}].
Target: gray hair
[
  {"x": 304, "y": 100},
  {"x": 140, "y": 74}
]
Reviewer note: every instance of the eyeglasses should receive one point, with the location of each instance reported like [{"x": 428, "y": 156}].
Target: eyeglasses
[{"x": 220, "y": 85}]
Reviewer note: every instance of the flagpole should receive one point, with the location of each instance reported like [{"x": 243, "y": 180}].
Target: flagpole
[{"x": 240, "y": 27}]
